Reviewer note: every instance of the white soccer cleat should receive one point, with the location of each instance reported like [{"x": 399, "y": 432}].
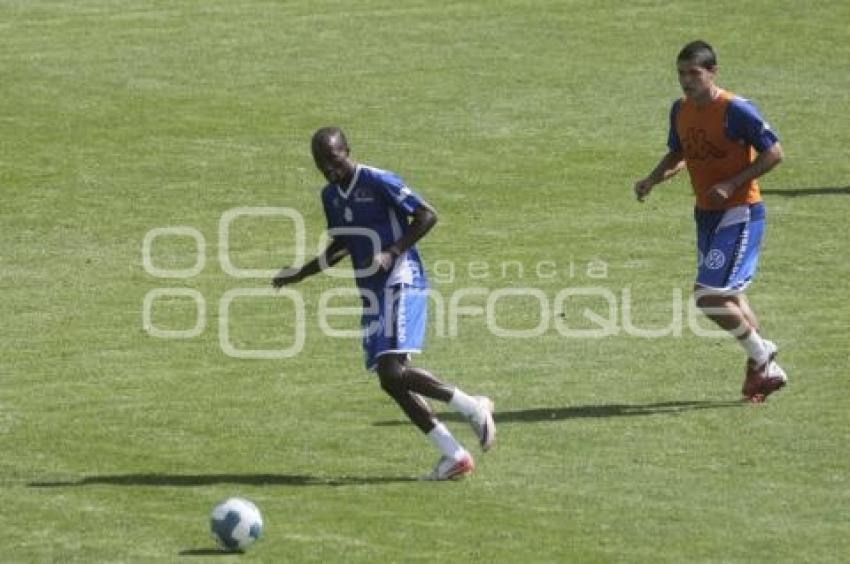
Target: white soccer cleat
[
  {"x": 483, "y": 424},
  {"x": 449, "y": 468}
]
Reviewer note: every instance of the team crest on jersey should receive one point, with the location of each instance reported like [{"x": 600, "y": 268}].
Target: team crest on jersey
[
  {"x": 715, "y": 259},
  {"x": 347, "y": 215}
]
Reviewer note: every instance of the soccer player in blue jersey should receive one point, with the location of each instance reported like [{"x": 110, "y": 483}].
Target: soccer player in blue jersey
[
  {"x": 376, "y": 219},
  {"x": 726, "y": 145}
]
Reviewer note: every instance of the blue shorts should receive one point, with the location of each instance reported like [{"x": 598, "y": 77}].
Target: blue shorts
[
  {"x": 393, "y": 321},
  {"x": 728, "y": 243}
]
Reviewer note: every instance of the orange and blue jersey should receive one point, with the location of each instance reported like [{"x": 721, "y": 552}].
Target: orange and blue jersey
[{"x": 718, "y": 141}]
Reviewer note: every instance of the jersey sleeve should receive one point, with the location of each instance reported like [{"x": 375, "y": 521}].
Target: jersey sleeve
[
  {"x": 673, "y": 141},
  {"x": 744, "y": 123},
  {"x": 398, "y": 194}
]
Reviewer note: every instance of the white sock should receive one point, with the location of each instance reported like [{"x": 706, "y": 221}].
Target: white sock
[
  {"x": 445, "y": 442},
  {"x": 754, "y": 345},
  {"x": 463, "y": 403}
]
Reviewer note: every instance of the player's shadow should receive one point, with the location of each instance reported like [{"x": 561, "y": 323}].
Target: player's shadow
[
  {"x": 801, "y": 192},
  {"x": 584, "y": 411},
  {"x": 208, "y": 552},
  {"x": 193, "y": 480}
]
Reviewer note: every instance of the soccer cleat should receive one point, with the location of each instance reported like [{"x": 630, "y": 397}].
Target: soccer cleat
[
  {"x": 483, "y": 424},
  {"x": 763, "y": 379},
  {"x": 774, "y": 380},
  {"x": 449, "y": 468}
]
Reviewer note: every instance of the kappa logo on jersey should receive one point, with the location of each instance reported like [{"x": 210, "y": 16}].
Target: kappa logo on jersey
[
  {"x": 697, "y": 147},
  {"x": 347, "y": 214},
  {"x": 715, "y": 259},
  {"x": 362, "y": 195}
]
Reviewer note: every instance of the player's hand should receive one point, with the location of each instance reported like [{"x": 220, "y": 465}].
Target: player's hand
[
  {"x": 720, "y": 192},
  {"x": 383, "y": 260},
  {"x": 287, "y": 275},
  {"x": 643, "y": 188}
]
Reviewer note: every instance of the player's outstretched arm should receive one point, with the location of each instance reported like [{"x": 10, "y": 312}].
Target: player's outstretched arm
[
  {"x": 424, "y": 218},
  {"x": 669, "y": 165},
  {"x": 333, "y": 253}
]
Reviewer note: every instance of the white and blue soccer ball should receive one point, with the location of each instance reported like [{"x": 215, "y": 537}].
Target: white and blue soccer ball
[{"x": 236, "y": 523}]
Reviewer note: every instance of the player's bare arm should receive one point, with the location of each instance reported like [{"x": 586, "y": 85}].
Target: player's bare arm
[
  {"x": 333, "y": 253},
  {"x": 763, "y": 163},
  {"x": 424, "y": 218},
  {"x": 669, "y": 165}
]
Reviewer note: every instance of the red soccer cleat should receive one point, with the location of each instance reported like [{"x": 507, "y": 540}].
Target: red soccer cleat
[{"x": 764, "y": 379}]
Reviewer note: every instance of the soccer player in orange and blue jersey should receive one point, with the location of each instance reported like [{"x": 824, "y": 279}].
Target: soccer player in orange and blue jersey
[{"x": 726, "y": 145}]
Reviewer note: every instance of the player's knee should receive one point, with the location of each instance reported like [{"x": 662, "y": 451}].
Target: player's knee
[{"x": 705, "y": 300}]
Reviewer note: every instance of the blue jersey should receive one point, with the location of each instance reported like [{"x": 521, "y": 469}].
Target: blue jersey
[{"x": 369, "y": 215}]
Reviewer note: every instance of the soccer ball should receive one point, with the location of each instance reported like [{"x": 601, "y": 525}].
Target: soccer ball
[{"x": 236, "y": 523}]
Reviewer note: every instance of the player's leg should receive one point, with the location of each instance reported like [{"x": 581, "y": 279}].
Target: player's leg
[
  {"x": 774, "y": 377},
  {"x": 760, "y": 351},
  {"x": 728, "y": 250},
  {"x": 455, "y": 460},
  {"x": 477, "y": 409},
  {"x": 426, "y": 384},
  {"x": 379, "y": 346},
  {"x": 748, "y": 312},
  {"x": 390, "y": 334},
  {"x": 724, "y": 310},
  {"x": 410, "y": 323},
  {"x": 391, "y": 375},
  {"x": 728, "y": 244}
]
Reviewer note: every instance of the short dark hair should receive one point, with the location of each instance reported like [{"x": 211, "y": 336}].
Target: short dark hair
[
  {"x": 323, "y": 136},
  {"x": 700, "y": 53}
]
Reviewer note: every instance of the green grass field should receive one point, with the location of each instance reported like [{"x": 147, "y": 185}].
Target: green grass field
[{"x": 525, "y": 124}]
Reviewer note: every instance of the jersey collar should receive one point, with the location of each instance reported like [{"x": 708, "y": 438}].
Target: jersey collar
[{"x": 345, "y": 193}]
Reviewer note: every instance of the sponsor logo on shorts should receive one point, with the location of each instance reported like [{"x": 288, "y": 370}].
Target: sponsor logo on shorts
[{"x": 715, "y": 259}]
